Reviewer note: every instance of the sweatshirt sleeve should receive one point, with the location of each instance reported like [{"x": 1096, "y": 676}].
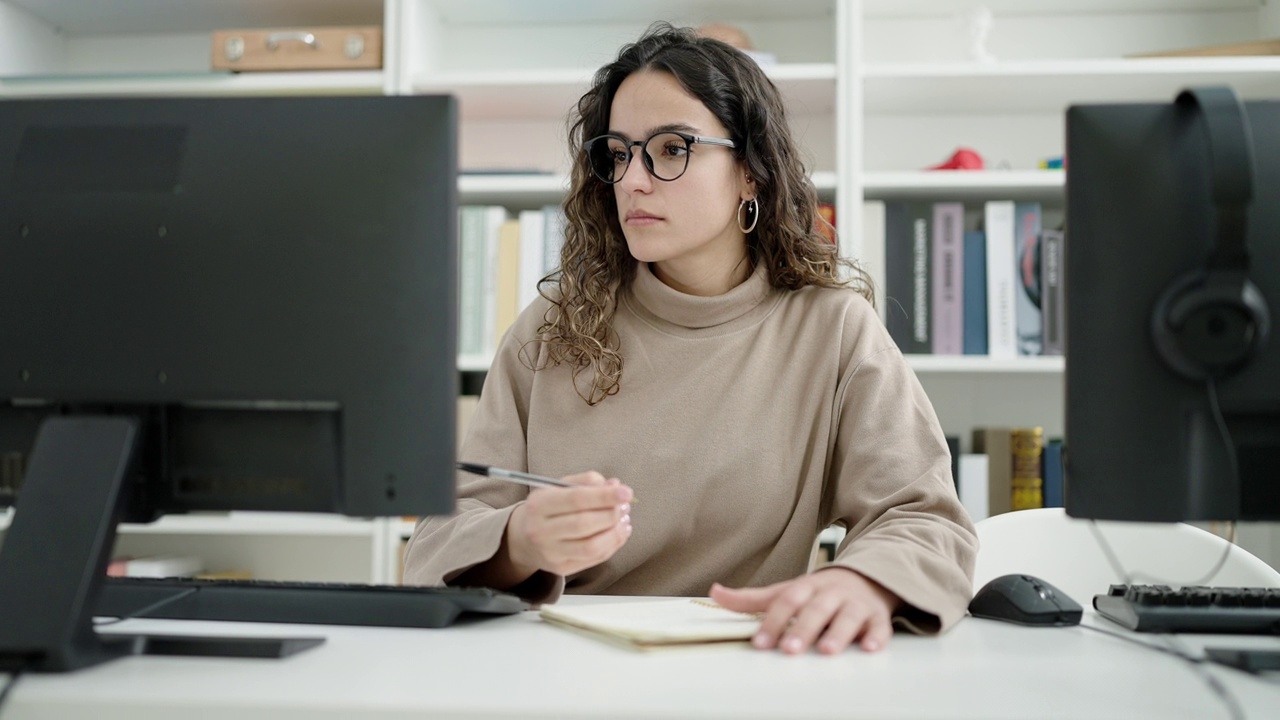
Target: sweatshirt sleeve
[
  {"x": 890, "y": 485},
  {"x": 442, "y": 548}
]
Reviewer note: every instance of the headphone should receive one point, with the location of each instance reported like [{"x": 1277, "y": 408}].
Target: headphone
[{"x": 1209, "y": 323}]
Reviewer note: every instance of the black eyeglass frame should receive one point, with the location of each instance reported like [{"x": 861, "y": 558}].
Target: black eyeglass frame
[{"x": 645, "y": 158}]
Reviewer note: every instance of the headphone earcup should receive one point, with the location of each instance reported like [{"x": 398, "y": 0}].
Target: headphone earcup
[{"x": 1207, "y": 325}]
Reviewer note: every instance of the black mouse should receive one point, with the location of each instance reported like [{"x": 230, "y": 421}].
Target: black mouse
[{"x": 1026, "y": 600}]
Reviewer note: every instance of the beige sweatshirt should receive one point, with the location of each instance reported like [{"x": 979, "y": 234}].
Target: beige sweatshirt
[{"x": 746, "y": 423}]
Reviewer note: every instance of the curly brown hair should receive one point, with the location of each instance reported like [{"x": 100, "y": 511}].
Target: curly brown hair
[{"x": 595, "y": 263}]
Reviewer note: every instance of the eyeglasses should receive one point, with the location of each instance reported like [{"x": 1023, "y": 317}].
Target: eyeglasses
[{"x": 665, "y": 154}]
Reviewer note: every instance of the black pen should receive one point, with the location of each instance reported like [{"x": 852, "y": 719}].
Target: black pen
[{"x": 514, "y": 476}]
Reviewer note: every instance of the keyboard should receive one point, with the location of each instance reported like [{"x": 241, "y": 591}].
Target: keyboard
[
  {"x": 301, "y": 602},
  {"x": 1192, "y": 609}
]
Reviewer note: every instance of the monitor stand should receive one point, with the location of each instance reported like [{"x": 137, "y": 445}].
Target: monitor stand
[{"x": 55, "y": 555}]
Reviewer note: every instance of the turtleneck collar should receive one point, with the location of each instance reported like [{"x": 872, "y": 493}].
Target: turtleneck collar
[{"x": 694, "y": 311}]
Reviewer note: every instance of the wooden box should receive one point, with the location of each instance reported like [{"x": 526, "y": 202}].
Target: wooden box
[{"x": 321, "y": 48}]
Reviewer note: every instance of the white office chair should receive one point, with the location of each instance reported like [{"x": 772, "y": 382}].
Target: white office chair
[{"x": 1065, "y": 551}]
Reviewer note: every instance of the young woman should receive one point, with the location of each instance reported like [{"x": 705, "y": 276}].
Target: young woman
[{"x": 700, "y": 350}]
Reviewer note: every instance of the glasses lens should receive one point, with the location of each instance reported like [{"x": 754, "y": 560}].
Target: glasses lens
[
  {"x": 608, "y": 156},
  {"x": 667, "y": 155}
]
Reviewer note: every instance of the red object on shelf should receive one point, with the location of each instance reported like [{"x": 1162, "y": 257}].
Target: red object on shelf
[{"x": 962, "y": 159}]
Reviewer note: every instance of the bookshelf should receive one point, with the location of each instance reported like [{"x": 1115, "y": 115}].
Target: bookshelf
[{"x": 878, "y": 89}]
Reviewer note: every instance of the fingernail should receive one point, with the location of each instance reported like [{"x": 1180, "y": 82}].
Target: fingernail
[
  {"x": 872, "y": 646},
  {"x": 827, "y": 647},
  {"x": 791, "y": 644},
  {"x": 624, "y": 493},
  {"x": 624, "y": 509},
  {"x": 625, "y": 520},
  {"x": 761, "y": 640},
  {"x": 626, "y": 529}
]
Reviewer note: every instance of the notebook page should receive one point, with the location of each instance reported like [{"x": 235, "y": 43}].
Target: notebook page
[{"x": 661, "y": 621}]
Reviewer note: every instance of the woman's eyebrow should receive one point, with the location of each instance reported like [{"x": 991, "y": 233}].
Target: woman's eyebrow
[{"x": 669, "y": 127}]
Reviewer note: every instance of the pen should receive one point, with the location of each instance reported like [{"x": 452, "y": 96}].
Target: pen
[{"x": 514, "y": 476}]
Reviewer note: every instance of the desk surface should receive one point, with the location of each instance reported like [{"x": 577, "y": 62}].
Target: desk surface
[{"x": 519, "y": 667}]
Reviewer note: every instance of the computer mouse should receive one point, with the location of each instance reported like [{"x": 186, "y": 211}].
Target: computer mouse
[{"x": 1026, "y": 600}]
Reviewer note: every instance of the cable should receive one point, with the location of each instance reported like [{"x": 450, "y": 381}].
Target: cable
[
  {"x": 1197, "y": 664},
  {"x": 148, "y": 609},
  {"x": 8, "y": 687},
  {"x": 1130, "y": 577},
  {"x": 1234, "y": 463}
]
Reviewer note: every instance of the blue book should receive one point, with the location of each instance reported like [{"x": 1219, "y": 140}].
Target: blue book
[
  {"x": 1052, "y": 472},
  {"x": 974, "y": 287}
]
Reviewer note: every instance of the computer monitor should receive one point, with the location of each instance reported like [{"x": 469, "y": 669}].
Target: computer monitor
[
  {"x": 216, "y": 304},
  {"x": 1172, "y": 270}
]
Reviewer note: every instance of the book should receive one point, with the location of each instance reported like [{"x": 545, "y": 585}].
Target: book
[
  {"x": 947, "y": 279},
  {"x": 907, "y": 240},
  {"x": 532, "y": 227},
  {"x": 643, "y": 625},
  {"x": 1002, "y": 328},
  {"x": 1026, "y": 236},
  {"x": 871, "y": 258},
  {"x": 1053, "y": 473},
  {"x": 973, "y": 486},
  {"x": 507, "y": 280},
  {"x": 1052, "y": 299},
  {"x": 974, "y": 289},
  {"x": 825, "y": 221},
  {"x": 1026, "y": 480},
  {"x": 1240, "y": 49},
  {"x": 996, "y": 444}
]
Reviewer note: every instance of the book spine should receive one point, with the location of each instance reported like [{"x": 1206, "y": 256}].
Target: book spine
[
  {"x": 973, "y": 485},
  {"x": 1027, "y": 243},
  {"x": 975, "y": 293},
  {"x": 871, "y": 259},
  {"x": 552, "y": 237},
  {"x": 1002, "y": 332},
  {"x": 947, "y": 282},
  {"x": 921, "y": 217},
  {"x": 471, "y": 280},
  {"x": 1054, "y": 490},
  {"x": 995, "y": 444},
  {"x": 1051, "y": 292},
  {"x": 897, "y": 268},
  {"x": 1026, "y": 482},
  {"x": 531, "y": 260},
  {"x": 824, "y": 222}
]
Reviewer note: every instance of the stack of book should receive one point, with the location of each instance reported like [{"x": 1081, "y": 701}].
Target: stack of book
[{"x": 958, "y": 283}]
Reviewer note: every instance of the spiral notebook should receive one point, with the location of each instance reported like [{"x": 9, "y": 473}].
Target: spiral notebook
[{"x": 657, "y": 623}]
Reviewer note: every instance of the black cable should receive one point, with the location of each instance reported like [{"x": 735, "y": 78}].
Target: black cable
[
  {"x": 8, "y": 687},
  {"x": 148, "y": 609},
  {"x": 1129, "y": 578},
  {"x": 1196, "y": 663}
]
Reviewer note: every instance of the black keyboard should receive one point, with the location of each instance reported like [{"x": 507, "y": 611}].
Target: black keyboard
[
  {"x": 1192, "y": 609},
  {"x": 300, "y": 602}
]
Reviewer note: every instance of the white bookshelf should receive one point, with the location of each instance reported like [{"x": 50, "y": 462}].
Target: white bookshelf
[
  {"x": 965, "y": 185},
  {"x": 366, "y": 82},
  {"x": 1050, "y": 86},
  {"x": 877, "y": 90}
]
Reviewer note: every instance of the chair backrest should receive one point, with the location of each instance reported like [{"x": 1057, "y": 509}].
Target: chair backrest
[{"x": 1067, "y": 553}]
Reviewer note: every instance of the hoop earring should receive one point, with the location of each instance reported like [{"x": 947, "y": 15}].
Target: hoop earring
[{"x": 753, "y": 211}]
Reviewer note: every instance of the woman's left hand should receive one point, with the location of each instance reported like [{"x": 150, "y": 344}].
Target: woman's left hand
[{"x": 833, "y": 607}]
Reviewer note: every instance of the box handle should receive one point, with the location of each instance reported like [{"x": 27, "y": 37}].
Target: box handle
[{"x": 273, "y": 40}]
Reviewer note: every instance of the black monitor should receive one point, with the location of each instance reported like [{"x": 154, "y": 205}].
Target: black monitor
[
  {"x": 216, "y": 304},
  {"x": 1173, "y": 275}
]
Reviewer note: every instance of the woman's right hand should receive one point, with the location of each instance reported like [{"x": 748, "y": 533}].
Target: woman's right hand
[{"x": 567, "y": 530}]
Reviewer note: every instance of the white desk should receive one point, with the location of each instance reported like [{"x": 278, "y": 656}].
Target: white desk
[{"x": 517, "y": 667}]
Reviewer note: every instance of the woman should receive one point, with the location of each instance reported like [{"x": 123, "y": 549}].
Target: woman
[{"x": 700, "y": 350}]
